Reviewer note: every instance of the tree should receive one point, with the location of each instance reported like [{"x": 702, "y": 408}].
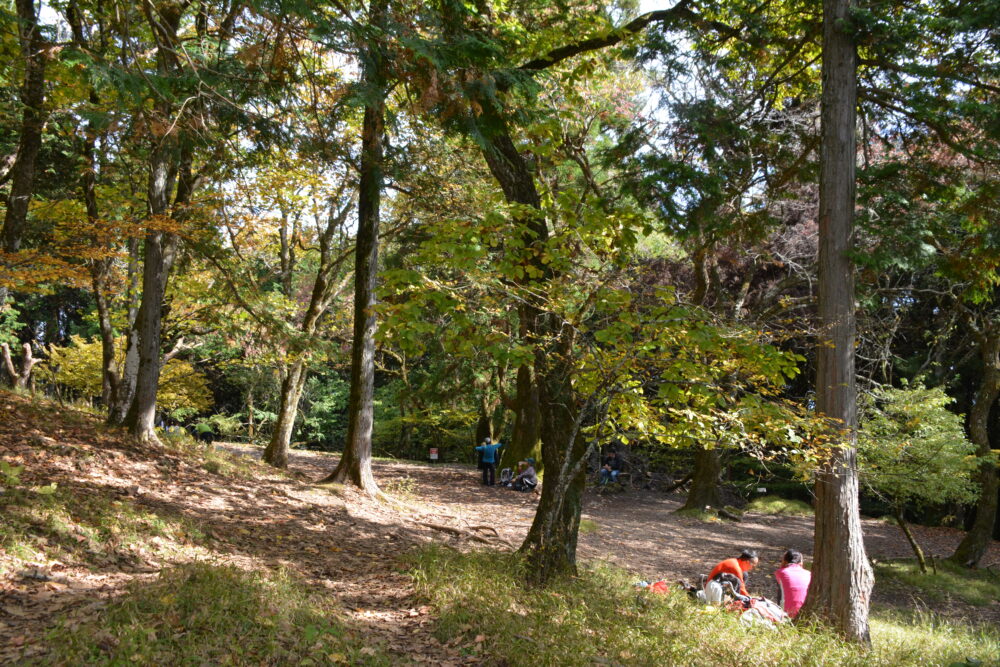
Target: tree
[
  {"x": 355, "y": 464},
  {"x": 842, "y": 579},
  {"x": 913, "y": 451},
  {"x": 35, "y": 52}
]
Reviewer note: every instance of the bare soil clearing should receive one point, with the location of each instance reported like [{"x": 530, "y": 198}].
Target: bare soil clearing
[{"x": 338, "y": 539}]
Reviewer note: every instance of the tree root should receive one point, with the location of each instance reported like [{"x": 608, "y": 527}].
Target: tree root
[{"x": 458, "y": 532}]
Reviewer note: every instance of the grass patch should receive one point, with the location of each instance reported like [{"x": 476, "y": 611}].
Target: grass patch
[
  {"x": 94, "y": 529},
  {"x": 952, "y": 581},
  {"x": 209, "y": 457},
  {"x": 202, "y": 614},
  {"x": 401, "y": 488},
  {"x": 700, "y": 515},
  {"x": 778, "y": 505},
  {"x": 597, "y": 618},
  {"x": 588, "y": 526}
]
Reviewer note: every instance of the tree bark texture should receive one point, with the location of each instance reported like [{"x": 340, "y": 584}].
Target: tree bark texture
[
  {"x": 33, "y": 116},
  {"x": 122, "y": 400},
  {"x": 527, "y": 413},
  {"x": 355, "y": 464},
  {"x": 976, "y": 541},
  {"x": 276, "y": 452},
  {"x": 842, "y": 579},
  {"x": 704, "y": 490},
  {"x": 158, "y": 259},
  {"x": 550, "y": 546}
]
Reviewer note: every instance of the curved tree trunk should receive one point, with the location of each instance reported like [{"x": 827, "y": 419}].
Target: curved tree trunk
[
  {"x": 975, "y": 543},
  {"x": 276, "y": 452},
  {"x": 705, "y": 481},
  {"x": 355, "y": 465},
  {"x": 842, "y": 579},
  {"x": 550, "y": 546},
  {"x": 917, "y": 551}
]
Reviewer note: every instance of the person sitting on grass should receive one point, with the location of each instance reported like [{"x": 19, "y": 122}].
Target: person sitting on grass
[
  {"x": 526, "y": 479},
  {"x": 611, "y": 468},
  {"x": 793, "y": 582},
  {"x": 489, "y": 451},
  {"x": 739, "y": 567}
]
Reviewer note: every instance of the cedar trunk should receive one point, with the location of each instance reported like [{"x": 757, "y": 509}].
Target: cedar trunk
[
  {"x": 841, "y": 577},
  {"x": 975, "y": 543},
  {"x": 356, "y": 465}
]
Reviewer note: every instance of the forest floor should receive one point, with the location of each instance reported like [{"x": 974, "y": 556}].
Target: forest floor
[{"x": 181, "y": 507}]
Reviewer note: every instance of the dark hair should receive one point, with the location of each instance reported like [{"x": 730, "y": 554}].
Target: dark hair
[
  {"x": 748, "y": 554},
  {"x": 793, "y": 556}
]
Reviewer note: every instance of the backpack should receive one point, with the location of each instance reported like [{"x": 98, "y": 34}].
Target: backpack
[{"x": 506, "y": 475}]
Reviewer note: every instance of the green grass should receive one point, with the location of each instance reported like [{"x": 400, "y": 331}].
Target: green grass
[
  {"x": 94, "y": 529},
  {"x": 210, "y": 458},
  {"x": 588, "y": 526},
  {"x": 597, "y": 618},
  {"x": 700, "y": 515},
  {"x": 204, "y": 614},
  {"x": 952, "y": 581},
  {"x": 777, "y": 505}
]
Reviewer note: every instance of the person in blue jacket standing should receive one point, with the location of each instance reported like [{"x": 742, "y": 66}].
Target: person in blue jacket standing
[{"x": 489, "y": 452}]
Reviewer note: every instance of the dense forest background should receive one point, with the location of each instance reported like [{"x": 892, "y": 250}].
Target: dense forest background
[{"x": 570, "y": 226}]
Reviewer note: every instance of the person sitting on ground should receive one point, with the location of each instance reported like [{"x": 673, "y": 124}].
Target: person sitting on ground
[
  {"x": 739, "y": 567},
  {"x": 793, "y": 582},
  {"x": 526, "y": 479},
  {"x": 611, "y": 467},
  {"x": 489, "y": 452}
]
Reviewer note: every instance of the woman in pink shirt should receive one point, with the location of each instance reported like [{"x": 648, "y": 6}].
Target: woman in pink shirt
[{"x": 793, "y": 582}]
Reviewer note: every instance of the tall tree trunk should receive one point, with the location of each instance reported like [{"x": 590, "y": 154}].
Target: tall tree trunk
[
  {"x": 99, "y": 268},
  {"x": 250, "y": 417},
  {"x": 276, "y": 452},
  {"x": 158, "y": 259},
  {"x": 975, "y": 543},
  {"x": 355, "y": 465},
  {"x": 33, "y": 115},
  {"x": 130, "y": 368},
  {"x": 705, "y": 480},
  {"x": 841, "y": 577}
]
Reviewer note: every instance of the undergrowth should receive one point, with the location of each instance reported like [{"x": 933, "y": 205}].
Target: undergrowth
[
  {"x": 976, "y": 587},
  {"x": 777, "y": 505},
  {"x": 597, "y": 618},
  {"x": 96, "y": 529},
  {"x": 204, "y": 614}
]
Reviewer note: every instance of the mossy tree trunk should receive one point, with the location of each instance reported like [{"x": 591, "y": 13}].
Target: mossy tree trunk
[{"x": 705, "y": 480}]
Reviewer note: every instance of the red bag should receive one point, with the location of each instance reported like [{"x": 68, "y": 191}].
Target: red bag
[{"x": 661, "y": 587}]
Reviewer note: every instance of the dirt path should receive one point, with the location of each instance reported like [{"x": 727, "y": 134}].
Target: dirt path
[
  {"x": 638, "y": 530},
  {"x": 339, "y": 541}
]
